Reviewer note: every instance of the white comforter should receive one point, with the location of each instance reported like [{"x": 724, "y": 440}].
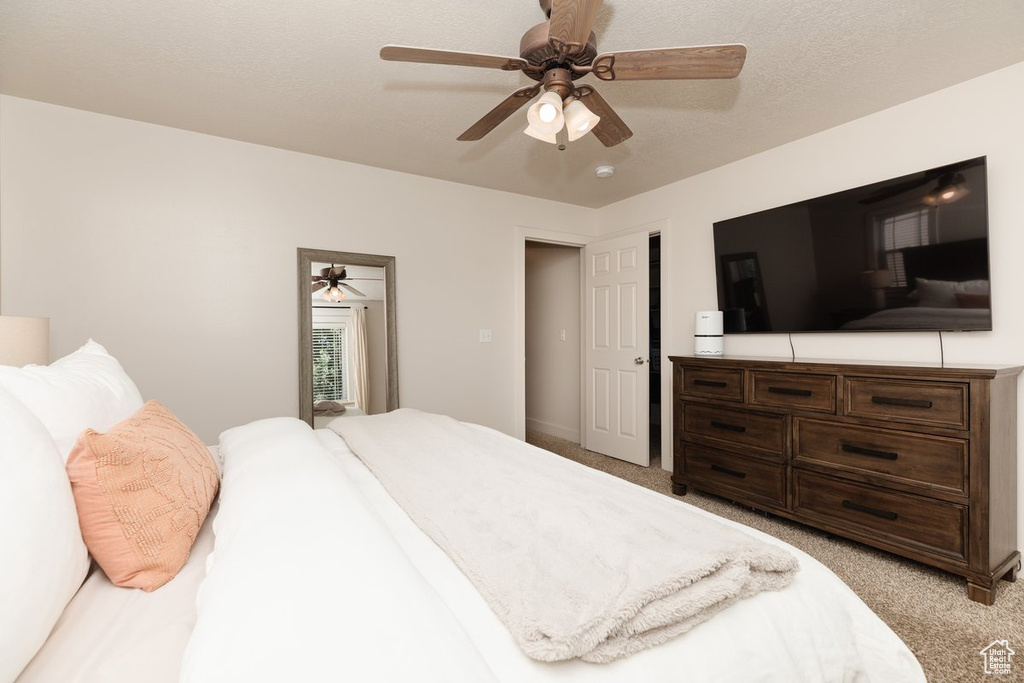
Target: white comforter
[{"x": 318, "y": 575}]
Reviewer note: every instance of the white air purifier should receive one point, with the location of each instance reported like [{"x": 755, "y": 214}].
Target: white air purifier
[{"x": 707, "y": 334}]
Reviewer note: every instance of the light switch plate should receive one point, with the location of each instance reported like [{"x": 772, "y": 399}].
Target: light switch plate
[{"x": 485, "y": 336}]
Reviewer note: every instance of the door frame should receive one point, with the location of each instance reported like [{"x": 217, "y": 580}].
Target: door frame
[{"x": 524, "y": 234}]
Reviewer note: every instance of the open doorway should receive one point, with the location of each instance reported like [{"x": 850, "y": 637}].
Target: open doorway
[
  {"x": 553, "y": 347},
  {"x": 649, "y": 400}
]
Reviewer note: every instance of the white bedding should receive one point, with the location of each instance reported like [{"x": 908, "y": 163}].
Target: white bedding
[
  {"x": 923, "y": 318},
  {"x": 109, "y": 634},
  {"x": 379, "y": 601},
  {"x": 574, "y": 564},
  {"x": 281, "y": 615}
]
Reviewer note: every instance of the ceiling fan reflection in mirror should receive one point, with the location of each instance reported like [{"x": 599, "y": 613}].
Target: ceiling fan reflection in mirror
[
  {"x": 335, "y": 279},
  {"x": 563, "y": 49}
]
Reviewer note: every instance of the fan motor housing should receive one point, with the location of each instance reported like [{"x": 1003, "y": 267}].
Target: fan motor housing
[{"x": 536, "y": 49}]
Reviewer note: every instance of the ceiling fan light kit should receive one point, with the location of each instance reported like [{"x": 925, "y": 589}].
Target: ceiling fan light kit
[
  {"x": 334, "y": 293},
  {"x": 545, "y": 115},
  {"x": 543, "y": 137},
  {"x": 564, "y": 49},
  {"x": 579, "y": 120},
  {"x": 951, "y": 188}
]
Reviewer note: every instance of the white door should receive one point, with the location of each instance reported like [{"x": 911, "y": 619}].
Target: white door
[{"x": 616, "y": 363}]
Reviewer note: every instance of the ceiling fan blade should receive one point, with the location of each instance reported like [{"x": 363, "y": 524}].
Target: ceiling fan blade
[
  {"x": 419, "y": 55},
  {"x": 708, "y": 61},
  {"x": 317, "y": 286},
  {"x": 495, "y": 116},
  {"x": 610, "y": 130},
  {"x": 351, "y": 289},
  {"x": 571, "y": 23}
]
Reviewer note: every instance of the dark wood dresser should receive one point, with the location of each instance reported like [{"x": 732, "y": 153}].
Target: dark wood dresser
[{"x": 916, "y": 460}]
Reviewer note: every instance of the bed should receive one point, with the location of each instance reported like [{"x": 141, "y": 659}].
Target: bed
[
  {"x": 950, "y": 290},
  {"x": 270, "y": 591},
  {"x": 924, "y": 318}
]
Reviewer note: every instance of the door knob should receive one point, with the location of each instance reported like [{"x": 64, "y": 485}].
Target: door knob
[{"x": 639, "y": 360}]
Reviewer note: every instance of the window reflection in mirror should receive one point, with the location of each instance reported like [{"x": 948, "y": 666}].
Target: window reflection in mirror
[{"x": 347, "y": 335}]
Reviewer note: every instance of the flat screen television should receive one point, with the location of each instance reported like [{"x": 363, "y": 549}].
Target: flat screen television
[{"x": 910, "y": 253}]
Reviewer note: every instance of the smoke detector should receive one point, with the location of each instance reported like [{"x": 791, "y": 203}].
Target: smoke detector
[{"x": 604, "y": 171}]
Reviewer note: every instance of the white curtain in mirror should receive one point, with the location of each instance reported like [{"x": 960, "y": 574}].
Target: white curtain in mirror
[{"x": 359, "y": 382}]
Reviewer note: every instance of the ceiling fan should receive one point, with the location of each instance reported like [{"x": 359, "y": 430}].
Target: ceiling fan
[
  {"x": 563, "y": 49},
  {"x": 334, "y": 279},
  {"x": 950, "y": 186}
]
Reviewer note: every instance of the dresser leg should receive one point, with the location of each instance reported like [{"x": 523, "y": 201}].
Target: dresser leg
[
  {"x": 679, "y": 489},
  {"x": 1011, "y": 575},
  {"x": 986, "y": 595}
]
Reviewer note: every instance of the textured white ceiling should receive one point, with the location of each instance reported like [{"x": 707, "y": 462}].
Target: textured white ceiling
[{"x": 306, "y": 76}]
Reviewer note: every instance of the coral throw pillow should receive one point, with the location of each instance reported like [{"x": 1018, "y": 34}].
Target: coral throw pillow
[{"x": 142, "y": 491}]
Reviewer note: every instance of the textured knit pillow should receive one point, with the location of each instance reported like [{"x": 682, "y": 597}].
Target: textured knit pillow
[{"x": 142, "y": 491}]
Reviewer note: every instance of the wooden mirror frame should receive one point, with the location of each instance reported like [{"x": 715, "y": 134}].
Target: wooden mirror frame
[{"x": 307, "y": 257}]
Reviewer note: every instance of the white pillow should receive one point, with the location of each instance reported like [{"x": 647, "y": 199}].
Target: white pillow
[
  {"x": 85, "y": 389},
  {"x": 44, "y": 557},
  {"x": 942, "y": 293}
]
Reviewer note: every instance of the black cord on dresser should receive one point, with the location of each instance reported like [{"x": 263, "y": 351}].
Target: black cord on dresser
[
  {"x": 791, "y": 349},
  {"x": 942, "y": 352}
]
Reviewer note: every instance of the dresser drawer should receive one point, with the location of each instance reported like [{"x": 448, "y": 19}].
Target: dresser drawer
[
  {"x": 926, "y": 403},
  {"x": 787, "y": 390},
  {"x": 761, "y": 431},
  {"x": 713, "y": 383},
  {"x": 748, "y": 478},
  {"x": 931, "y": 462},
  {"x": 906, "y": 519}
]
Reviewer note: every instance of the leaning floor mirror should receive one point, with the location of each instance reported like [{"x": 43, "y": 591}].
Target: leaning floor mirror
[{"x": 348, "y": 350}]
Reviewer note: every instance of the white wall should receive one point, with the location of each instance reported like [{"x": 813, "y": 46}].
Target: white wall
[
  {"x": 553, "y": 364},
  {"x": 377, "y": 344},
  {"x": 978, "y": 117},
  {"x": 177, "y": 251}
]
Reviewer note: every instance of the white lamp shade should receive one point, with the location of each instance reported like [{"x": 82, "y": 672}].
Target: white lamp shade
[
  {"x": 24, "y": 341},
  {"x": 545, "y": 137},
  {"x": 579, "y": 120},
  {"x": 545, "y": 115}
]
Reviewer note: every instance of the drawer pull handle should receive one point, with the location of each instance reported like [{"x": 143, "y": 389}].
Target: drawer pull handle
[
  {"x": 709, "y": 383},
  {"x": 884, "y": 514},
  {"x": 860, "y": 450},
  {"x": 906, "y": 402},
  {"x": 731, "y": 473},
  {"x": 728, "y": 427},
  {"x": 788, "y": 391}
]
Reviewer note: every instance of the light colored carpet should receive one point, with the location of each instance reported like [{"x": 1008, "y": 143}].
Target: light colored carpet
[{"x": 926, "y": 607}]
